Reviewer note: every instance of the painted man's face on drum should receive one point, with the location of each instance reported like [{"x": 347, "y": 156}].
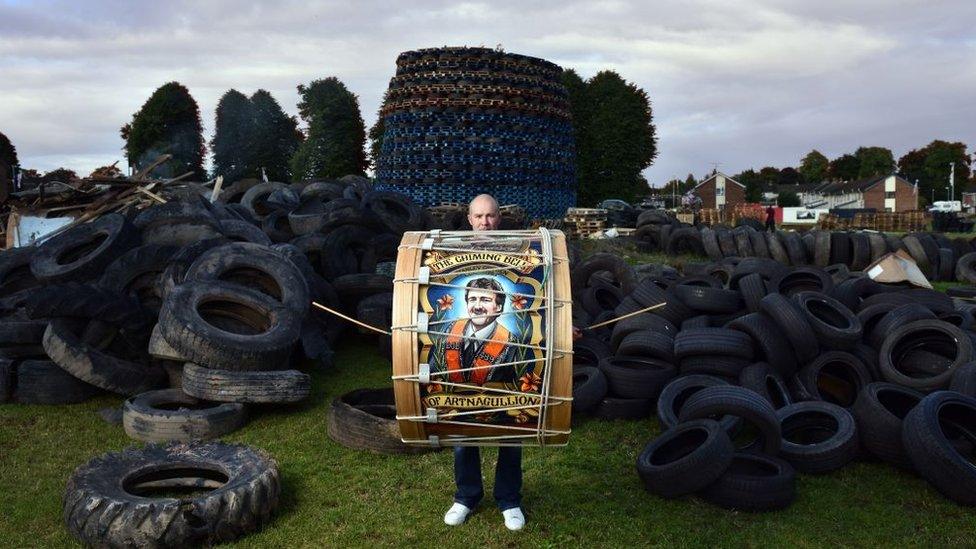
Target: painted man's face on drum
[{"x": 482, "y": 306}]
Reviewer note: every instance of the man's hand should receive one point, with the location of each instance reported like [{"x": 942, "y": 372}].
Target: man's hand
[{"x": 577, "y": 333}]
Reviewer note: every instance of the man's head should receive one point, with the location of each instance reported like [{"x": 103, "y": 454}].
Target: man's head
[
  {"x": 482, "y": 302},
  {"x": 483, "y": 213}
]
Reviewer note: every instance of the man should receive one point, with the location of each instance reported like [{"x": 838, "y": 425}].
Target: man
[
  {"x": 771, "y": 218},
  {"x": 483, "y": 216},
  {"x": 479, "y": 340}
]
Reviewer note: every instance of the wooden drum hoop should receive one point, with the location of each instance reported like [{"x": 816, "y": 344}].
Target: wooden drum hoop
[{"x": 512, "y": 389}]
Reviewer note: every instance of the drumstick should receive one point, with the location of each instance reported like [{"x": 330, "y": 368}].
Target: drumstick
[
  {"x": 353, "y": 320},
  {"x": 628, "y": 315}
]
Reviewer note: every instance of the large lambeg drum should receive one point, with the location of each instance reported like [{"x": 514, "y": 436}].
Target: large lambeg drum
[{"x": 482, "y": 338}]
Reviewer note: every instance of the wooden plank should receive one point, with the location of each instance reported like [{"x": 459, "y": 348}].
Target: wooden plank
[{"x": 561, "y": 384}]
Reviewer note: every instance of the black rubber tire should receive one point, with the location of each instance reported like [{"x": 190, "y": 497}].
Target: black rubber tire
[
  {"x": 771, "y": 345},
  {"x": 648, "y": 344},
  {"x": 171, "y": 414},
  {"x": 86, "y": 301},
  {"x": 836, "y": 377},
  {"x": 935, "y": 457},
  {"x": 15, "y": 272},
  {"x": 396, "y": 211},
  {"x": 878, "y": 246},
  {"x": 916, "y": 249},
  {"x": 794, "y": 248},
  {"x": 834, "y": 325},
  {"x": 726, "y": 242},
  {"x": 840, "y": 248},
  {"x": 44, "y": 382},
  {"x": 749, "y": 406},
  {"x": 273, "y": 386},
  {"x": 727, "y": 367},
  {"x": 341, "y": 250},
  {"x": 753, "y": 289},
  {"x": 742, "y": 243},
  {"x": 255, "y": 199},
  {"x": 589, "y": 388},
  {"x": 175, "y": 272},
  {"x": 777, "y": 250},
  {"x": 793, "y": 322},
  {"x": 935, "y": 336},
  {"x": 644, "y": 321},
  {"x": 821, "y": 249},
  {"x": 253, "y": 266},
  {"x": 21, "y": 332},
  {"x": 237, "y": 230},
  {"x": 623, "y": 274},
  {"x": 686, "y": 240},
  {"x": 803, "y": 279},
  {"x": 685, "y": 458},
  {"x": 700, "y": 321},
  {"x": 708, "y": 300},
  {"x": 759, "y": 247},
  {"x": 713, "y": 341},
  {"x": 352, "y": 288},
  {"x": 674, "y": 395},
  {"x": 753, "y": 482},
  {"x": 590, "y": 351},
  {"x": 83, "y": 252},
  {"x": 101, "y": 510},
  {"x": 264, "y": 330},
  {"x": 767, "y": 383},
  {"x": 601, "y": 297},
  {"x": 966, "y": 268},
  {"x": 710, "y": 244},
  {"x": 96, "y": 367},
  {"x": 137, "y": 273},
  {"x": 818, "y": 437},
  {"x": 964, "y": 380},
  {"x": 636, "y": 377},
  {"x": 895, "y": 318},
  {"x": 947, "y": 264},
  {"x": 364, "y": 419},
  {"x": 611, "y": 408},
  {"x": 879, "y": 411},
  {"x": 860, "y": 251}
]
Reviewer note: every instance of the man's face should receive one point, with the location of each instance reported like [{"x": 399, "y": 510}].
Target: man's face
[
  {"x": 483, "y": 215},
  {"x": 479, "y": 303}
]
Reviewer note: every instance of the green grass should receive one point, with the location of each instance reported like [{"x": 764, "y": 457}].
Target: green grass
[{"x": 586, "y": 494}]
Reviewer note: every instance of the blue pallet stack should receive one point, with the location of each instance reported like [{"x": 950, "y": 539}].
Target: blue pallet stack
[{"x": 463, "y": 121}]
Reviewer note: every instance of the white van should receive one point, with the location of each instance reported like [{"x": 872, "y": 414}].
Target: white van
[{"x": 946, "y": 206}]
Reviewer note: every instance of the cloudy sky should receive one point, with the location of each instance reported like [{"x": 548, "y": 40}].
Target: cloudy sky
[{"x": 735, "y": 83}]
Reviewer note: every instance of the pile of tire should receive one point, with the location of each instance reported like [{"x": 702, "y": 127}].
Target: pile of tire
[
  {"x": 820, "y": 366},
  {"x": 939, "y": 257},
  {"x": 462, "y": 121},
  {"x": 192, "y": 308}
]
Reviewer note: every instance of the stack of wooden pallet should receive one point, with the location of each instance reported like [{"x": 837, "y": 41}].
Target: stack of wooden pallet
[
  {"x": 711, "y": 216},
  {"x": 582, "y": 222}
]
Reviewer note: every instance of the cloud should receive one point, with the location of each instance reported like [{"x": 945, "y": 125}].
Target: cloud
[{"x": 743, "y": 84}]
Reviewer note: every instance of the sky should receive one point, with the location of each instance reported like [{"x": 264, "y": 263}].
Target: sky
[{"x": 733, "y": 84}]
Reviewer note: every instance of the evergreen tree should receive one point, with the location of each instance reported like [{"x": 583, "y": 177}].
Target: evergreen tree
[
  {"x": 814, "y": 167},
  {"x": 616, "y": 140},
  {"x": 579, "y": 107},
  {"x": 788, "y": 176},
  {"x": 376, "y": 134},
  {"x": 276, "y": 138},
  {"x": 167, "y": 123},
  {"x": 874, "y": 161},
  {"x": 8, "y": 155},
  {"x": 336, "y": 140},
  {"x": 845, "y": 167},
  {"x": 233, "y": 143},
  {"x": 689, "y": 184}
]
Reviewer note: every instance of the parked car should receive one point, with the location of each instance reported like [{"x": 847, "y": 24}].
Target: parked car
[{"x": 946, "y": 206}]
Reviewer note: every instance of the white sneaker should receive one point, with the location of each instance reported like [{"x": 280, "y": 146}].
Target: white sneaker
[
  {"x": 514, "y": 519},
  {"x": 456, "y": 515}
]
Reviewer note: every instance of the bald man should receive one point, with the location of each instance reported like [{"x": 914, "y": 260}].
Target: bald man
[
  {"x": 483, "y": 213},
  {"x": 483, "y": 216}
]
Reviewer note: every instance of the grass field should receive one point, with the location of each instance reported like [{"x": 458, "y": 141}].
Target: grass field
[{"x": 586, "y": 494}]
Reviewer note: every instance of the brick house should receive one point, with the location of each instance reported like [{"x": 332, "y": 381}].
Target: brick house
[
  {"x": 883, "y": 193},
  {"x": 720, "y": 191}
]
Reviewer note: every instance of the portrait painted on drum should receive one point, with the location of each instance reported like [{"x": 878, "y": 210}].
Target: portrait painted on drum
[{"x": 485, "y": 334}]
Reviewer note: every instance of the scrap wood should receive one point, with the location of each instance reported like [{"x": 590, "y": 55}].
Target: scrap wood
[{"x": 143, "y": 173}]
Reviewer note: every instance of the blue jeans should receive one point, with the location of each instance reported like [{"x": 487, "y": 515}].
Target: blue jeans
[{"x": 508, "y": 477}]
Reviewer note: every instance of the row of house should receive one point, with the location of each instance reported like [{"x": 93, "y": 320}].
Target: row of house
[{"x": 885, "y": 193}]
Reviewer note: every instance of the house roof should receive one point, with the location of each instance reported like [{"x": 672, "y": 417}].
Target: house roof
[
  {"x": 858, "y": 185},
  {"x": 716, "y": 174}
]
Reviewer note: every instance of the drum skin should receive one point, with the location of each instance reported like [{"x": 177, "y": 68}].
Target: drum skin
[{"x": 408, "y": 346}]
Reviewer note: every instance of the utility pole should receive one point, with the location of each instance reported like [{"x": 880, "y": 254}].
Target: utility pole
[{"x": 952, "y": 180}]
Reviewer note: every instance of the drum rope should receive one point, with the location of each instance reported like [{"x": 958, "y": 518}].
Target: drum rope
[
  {"x": 449, "y": 321},
  {"x": 549, "y": 320},
  {"x": 416, "y": 377},
  {"x": 487, "y": 290}
]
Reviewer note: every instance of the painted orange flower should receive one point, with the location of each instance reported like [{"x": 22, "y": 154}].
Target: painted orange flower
[
  {"x": 445, "y": 302},
  {"x": 519, "y": 301},
  {"x": 434, "y": 388},
  {"x": 530, "y": 382}
]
